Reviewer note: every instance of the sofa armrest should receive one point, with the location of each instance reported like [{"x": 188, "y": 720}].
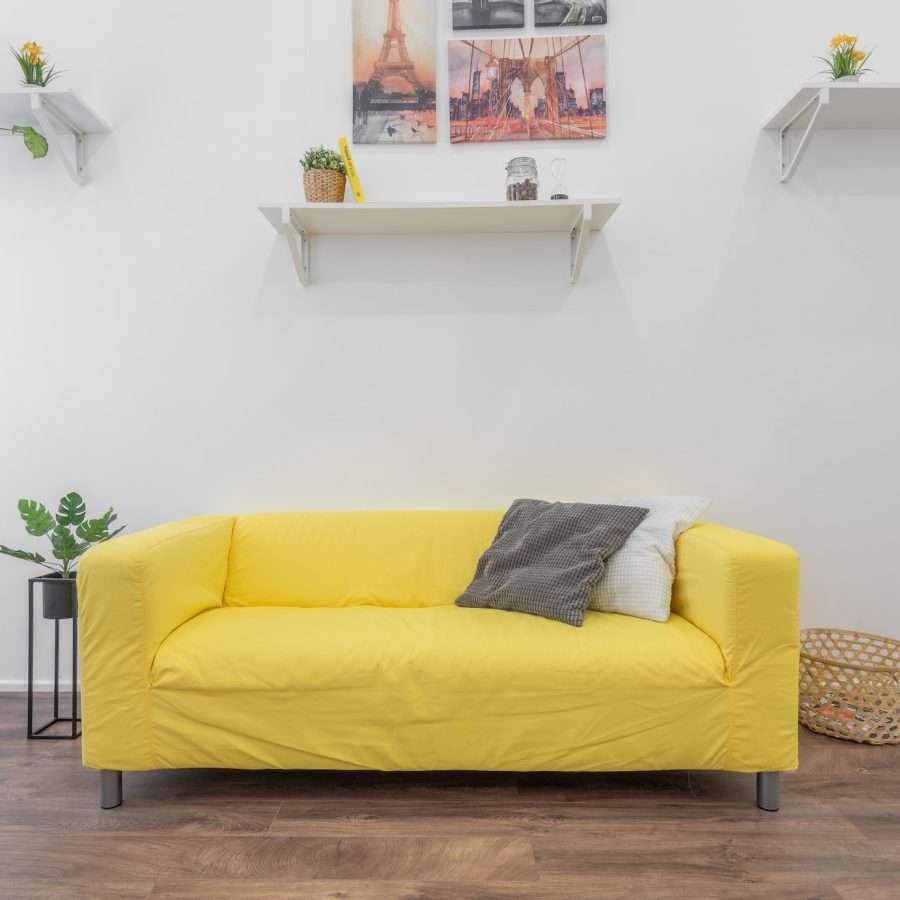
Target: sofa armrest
[
  {"x": 132, "y": 593},
  {"x": 742, "y": 590}
]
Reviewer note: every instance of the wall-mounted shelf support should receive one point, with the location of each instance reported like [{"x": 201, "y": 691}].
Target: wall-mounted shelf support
[
  {"x": 788, "y": 162},
  {"x": 576, "y": 219},
  {"x": 52, "y": 121},
  {"x": 578, "y": 238},
  {"x": 836, "y": 105},
  {"x": 58, "y": 114},
  {"x": 298, "y": 242}
]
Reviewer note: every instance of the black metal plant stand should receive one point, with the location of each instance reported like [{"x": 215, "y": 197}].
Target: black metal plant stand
[{"x": 59, "y": 603}]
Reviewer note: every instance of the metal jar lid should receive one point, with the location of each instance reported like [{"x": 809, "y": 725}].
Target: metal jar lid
[{"x": 521, "y": 163}]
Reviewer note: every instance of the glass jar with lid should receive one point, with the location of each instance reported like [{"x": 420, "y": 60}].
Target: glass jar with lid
[{"x": 521, "y": 179}]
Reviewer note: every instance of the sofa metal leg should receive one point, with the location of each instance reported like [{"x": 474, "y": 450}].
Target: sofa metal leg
[
  {"x": 110, "y": 788},
  {"x": 767, "y": 790}
]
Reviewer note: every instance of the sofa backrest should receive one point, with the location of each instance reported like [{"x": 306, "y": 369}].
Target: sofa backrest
[{"x": 384, "y": 558}]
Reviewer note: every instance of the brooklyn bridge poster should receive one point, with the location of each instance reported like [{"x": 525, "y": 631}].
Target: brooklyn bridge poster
[
  {"x": 393, "y": 72},
  {"x": 528, "y": 89}
]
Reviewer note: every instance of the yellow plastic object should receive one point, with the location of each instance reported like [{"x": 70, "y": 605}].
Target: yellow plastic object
[
  {"x": 350, "y": 166},
  {"x": 364, "y": 662}
]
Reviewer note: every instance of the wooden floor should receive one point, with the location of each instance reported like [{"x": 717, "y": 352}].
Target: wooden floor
[{"x": 370, "y": 836}]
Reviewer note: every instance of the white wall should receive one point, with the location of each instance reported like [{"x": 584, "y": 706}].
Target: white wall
[{"x": 730, "y": 336}]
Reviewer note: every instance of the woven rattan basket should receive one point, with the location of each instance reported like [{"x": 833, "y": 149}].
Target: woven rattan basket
[
  {"x": 324, "y": 186},
  {"x": 850, "y": 685}
]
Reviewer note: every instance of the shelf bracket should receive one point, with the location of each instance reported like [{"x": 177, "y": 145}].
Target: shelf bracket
[
  {"x": 51, "y": 120},
  {"x": 298, "y": 242},
  {"x": 578, "y": 237},
  {"x": 788, "y": 163}
]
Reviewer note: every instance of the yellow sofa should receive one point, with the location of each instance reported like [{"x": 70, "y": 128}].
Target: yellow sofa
[{"x": 331, "y": 641}]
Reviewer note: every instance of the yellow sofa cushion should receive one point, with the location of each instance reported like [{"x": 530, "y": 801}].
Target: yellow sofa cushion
[
  {"x": 440, "y": 687},
  {"x": 384, "y": 558}
]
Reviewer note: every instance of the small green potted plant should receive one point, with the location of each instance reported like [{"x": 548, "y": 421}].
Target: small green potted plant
[
  {"x": 846, "y": 62},
  {"x": 34, "y": 66},
  {"x": 71, "y": 532},
  {"x": 324, "y": 175}
]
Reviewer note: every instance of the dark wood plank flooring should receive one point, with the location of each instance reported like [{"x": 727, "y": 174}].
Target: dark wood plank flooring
[{"x": 197, "y": 834}]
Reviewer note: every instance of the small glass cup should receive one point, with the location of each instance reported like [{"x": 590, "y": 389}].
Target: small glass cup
[{"x": 558, "y": 171}]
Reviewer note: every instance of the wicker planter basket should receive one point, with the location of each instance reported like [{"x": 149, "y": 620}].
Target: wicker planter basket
[
  {"x": 324, "y": 186},
  {"x": 850, "y": 685}
]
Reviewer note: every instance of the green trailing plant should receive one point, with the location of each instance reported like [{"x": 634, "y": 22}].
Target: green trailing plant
[
  {"x": 70, "y": 531},
  {"x": 322, "y": 158},
  {"x": 845, "y": 58},
  {"x": 34, "y": 140},
  {"x": 33, "y": 63}
]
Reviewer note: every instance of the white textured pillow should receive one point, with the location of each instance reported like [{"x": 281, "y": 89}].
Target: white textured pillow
[{"x": 638, "y": 578}]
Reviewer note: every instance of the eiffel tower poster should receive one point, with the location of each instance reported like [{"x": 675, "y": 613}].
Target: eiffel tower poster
[{"x": 394, "y": 58}]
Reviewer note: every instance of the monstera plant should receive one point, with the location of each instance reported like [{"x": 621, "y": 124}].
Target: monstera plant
[{"x": 70, "y": 531}]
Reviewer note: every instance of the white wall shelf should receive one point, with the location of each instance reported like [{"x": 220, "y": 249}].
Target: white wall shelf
[
  {"x": 835, "y": 105},
  {"x": 577, "y": 218},
  {"x": 57, "y": 114}
]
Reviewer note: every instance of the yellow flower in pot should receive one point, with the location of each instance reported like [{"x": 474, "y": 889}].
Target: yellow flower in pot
[
  {"x": 846, "y": 61},
  {"x": 33, "y": 63},
  {"x": 324, "y": 176}
]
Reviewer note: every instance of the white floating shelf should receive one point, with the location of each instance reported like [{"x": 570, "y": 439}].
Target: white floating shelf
[
  {"x": 834, "y": 105},
  {"x": 56, "y": 113},
  {"x": 299, "y": 222}
]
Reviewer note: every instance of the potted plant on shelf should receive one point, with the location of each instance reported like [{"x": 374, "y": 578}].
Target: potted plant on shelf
[
  {"x": 71, "y": 533},
  {"x": 324, "y": 176},
  {"x": 846, "y": 62},
  {"x": 34, "y": 66},
  {"x": 37, "y": 72}
]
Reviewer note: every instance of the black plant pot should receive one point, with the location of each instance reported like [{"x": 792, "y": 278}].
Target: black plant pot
[{"x": 59, "y": 596}]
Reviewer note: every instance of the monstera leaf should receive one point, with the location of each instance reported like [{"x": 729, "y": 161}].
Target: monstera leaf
[
  {"x": 23, "y": 554},
  {"x": 95, "y": 530},
  {"x": 65, "y": 547},
  {"x": 71, "y": 510},
  {"x": 37, "y": 518},
  {"x": 34, "y": 140}
]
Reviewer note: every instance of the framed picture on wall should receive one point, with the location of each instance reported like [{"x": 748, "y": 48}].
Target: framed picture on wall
[
  {"x": 488, "y": 14},
  {"x": 570, "y": 12},
  {"x": 394, "y": 60},
  {"x": 527, "y": 89}
]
